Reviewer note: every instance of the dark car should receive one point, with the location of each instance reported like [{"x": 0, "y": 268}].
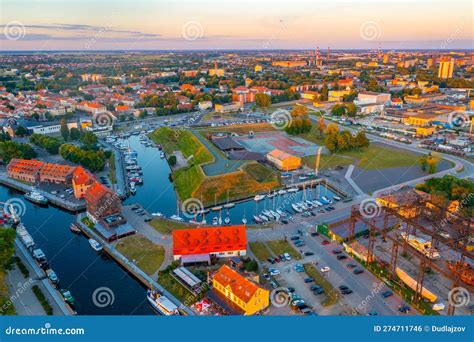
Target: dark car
[
  {"x": 291, "y": 289},
  {"x": 294, "y": 238},
  {"x": 314, "y": 287},
  {"x": 346, "y": 292},
  {"x": 358, "y": 271},
  {"x": 284, "y": 221},
  {"x": 314, "y": 234},
  {"x": 404, "y": 308},
  {"x": 341, "y": 257},
  {"x": 271, "y": 260},
  {"x": 325, "y": 242},
  {"x": 351, "y": 265},
  {"x": 308, "y": 280},
  {"x": 336, "y": 251},
  {"x": 343, "y": 287},
  {"x": 308, "y": 253},
  {"x": 387, "y": 293},
  {"x": 318, "y": 291}
]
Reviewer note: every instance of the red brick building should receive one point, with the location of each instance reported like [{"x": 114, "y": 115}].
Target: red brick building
[
  {"x": 102, "y": 205},
  {"x": 24, "y": 170}
]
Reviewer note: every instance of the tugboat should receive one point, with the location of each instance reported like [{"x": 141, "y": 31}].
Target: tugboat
[
  {"x": 161, "y": 304},
  {"x": 95, "y": 245},
  {"x": 36, "y": 197}
]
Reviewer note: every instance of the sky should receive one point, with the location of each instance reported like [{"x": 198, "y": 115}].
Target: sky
[{"x": 88, "y": 25}]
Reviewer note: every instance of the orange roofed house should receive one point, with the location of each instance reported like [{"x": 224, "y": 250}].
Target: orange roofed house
[
  {"x": 283, "y": 161},
  {"x": 202, "y": 244},
  {"x": 242, "y": 295},
  {"x": 81, "y": 181},
  {"x": 56, "y": 173}
]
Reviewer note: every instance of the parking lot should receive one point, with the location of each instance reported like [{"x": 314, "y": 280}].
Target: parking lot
[{"x": 366, "y": 296}]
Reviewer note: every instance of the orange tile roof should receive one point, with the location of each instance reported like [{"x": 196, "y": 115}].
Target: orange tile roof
[
  {"x": 241, "y": 287},
  {"x": 81, "y": 176},
  {"x": 209, "y": 240},
  {"x": 24, "y": 165},
  {"x": 280, "y": 155},
  {"x": 57, "y": 170}
]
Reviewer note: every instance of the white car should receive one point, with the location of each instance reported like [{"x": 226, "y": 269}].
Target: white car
[
  {"x": 325, "y": 269},
  {"x": 274, "y": 272},
  {"x": 287, "y": 256}
]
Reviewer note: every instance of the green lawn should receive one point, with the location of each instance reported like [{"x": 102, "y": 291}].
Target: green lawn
[
  {"x": 332, "y": 296},
  {"x": 281, "y": 246},
  {"x": 146, "y": 255},
  {"x": 165, "y": 226},
  {"x": 166, "y": 280},
  {"x": 379, "y": 157},
  {"x": 327, "y": 161},
  {"x": 260, "y": 250},
  {"x": 259, "y": 172}
]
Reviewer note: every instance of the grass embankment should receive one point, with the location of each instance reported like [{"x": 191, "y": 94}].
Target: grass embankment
[
  {"x": 281, "y": 246},
  {"x": 164, "y": 226},
  {"x": 191, "y": 182},
  {"x": 242, "y": 129},
  {"x": 144, "y": 253},
  {"x": 332, "y": 296},
  {"x": 260, "y": 250},
  {"x": 5, "y": 308},
  {"x": 112, "y": 172},
  {"x": 42, "y": 299}
]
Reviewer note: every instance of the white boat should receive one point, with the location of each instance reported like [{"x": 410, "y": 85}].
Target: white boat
[
  {"x": 309, "y": 204},
  {"x": 281, "y": 213},
  {"x": 227, "y": 220},
  {"x": 219, "y": 207},
  {"x": 302, "y": 206},
  {"x": 95, "y": 245},
  {"x": 161, "y": 304},
  {"x": 282, "y": 192},
  {"x": 324, "y": 198},
  {"x": 36, "y": 197},
  {"x": 176, "y": 218},
  {"x": 336, "y": 198},
  {"x": 133, "y": 190},
  {"x": 271, "y": 195},
  {"x": 296, "y": 207},
  {"x": 162, "y": 155},
  {"x": 244, "y": 220},
  {"x": 263, "y": 218},
  {"x": 215, "y": 221},
  {"x": 257, "y": 219},
  {"x": 219, "y": 220},
  {"x": 157, "y": 214},
  {"x": 292, "y": 190},
  {"x": 229, "y": 205},
  {"x": 318, "y": 203},
  {"x": 258, "y": 198},
  {"x": 268, "y": 214},
  {"x": 275, "y": 215}
]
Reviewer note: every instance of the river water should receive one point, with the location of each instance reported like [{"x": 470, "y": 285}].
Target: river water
[{"x": 82, "y": 271}]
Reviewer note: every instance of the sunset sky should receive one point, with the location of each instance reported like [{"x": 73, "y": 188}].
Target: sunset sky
[{"x": 154, "y": 24}]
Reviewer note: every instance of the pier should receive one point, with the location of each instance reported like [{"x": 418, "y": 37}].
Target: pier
[
  {"x": 130, "y": 266},
  {"x": 121, "y": 186},
  {"x": 55, "y": 200}
]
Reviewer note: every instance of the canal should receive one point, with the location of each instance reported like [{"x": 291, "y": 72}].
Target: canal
[{"x": 82, "y": 271}]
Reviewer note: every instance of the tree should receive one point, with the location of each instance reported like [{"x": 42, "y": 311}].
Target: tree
[
  {"x": 423, "y": 163},
  {"x": 332, "y": 128},
  {"x": 64, "y": 129},
  {"x": 89, "y": 140},
  {"x": 263, "y": 100},
  {"x": 143, "y": 114},
  {"x": 361, "y": 140},
  {"x": 172, "y": 160},
  {"x": 338, "y": 110},
  {"x": 324, "y": 93},
  {"x": 300, "y": 122},
  {"x": 351, "y": 109},
  {"x": 12, "y": 149},
  {"x": 21, "y": 131},
  {"x": 74, "y": 133},
  {"x": 321, "y": 125}
]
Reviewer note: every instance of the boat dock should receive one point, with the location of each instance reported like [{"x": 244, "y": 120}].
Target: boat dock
[
  {"x": 121, "y": 186},
  {"x": 55, "y": 200},
  {"x": 130, "y": 266}
]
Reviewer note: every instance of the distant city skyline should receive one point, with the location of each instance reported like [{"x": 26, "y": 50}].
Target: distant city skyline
[{"x": 199, "y": 25}]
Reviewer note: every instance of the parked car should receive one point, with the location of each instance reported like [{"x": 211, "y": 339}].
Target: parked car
[
  {"x": 325, "y": 242},
  {"x": 314, "y": 234},
  {"x": 271, "y": 260},
  {"x": 336, "y": 251},
  {"x": 273, "y": 285},
  {"x": 387, "y": 293},
  {"x": 308, "y": 280},
  {"x": 294, "y": 238},
  {"x": 351, "y": 265},
  {"x": 308, "y": 253},
  {"x": 404, "y": 308},
  {"x": 287, "y": 256},
  {"x": 341, "y": 257},
  {"x": 266, "y": 276},
  {"x": 325, "y": 269},
  {"x": 358, "y": 271}
]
